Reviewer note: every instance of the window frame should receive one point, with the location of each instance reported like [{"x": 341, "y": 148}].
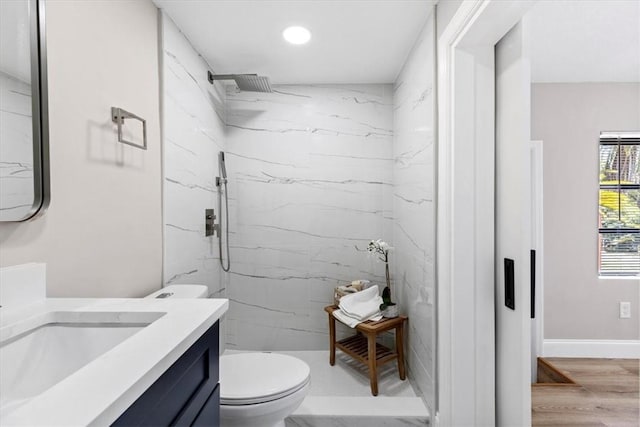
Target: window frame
[{"x": 615, "y": 139}]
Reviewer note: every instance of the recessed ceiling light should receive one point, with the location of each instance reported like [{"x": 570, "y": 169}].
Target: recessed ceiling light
[{"x": 296, "y": 35}]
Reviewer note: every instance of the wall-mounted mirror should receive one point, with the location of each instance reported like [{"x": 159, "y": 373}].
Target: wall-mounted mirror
[{"x": 24, "y": 154}]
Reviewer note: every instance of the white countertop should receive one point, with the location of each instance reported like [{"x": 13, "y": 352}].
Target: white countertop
[{"x": 99, "y": 392}]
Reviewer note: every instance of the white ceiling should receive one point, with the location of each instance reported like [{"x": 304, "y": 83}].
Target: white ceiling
[
  {"x": 367, "y": 41},
  {"x": 353, "y": 41},
  {"x": 585, "y": 41}
]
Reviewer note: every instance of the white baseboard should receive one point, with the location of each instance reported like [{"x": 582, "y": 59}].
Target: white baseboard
[{"x": 618, "y": 349}]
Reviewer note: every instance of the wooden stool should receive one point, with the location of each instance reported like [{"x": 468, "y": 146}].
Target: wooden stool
[{"x": 364, "y": 348}]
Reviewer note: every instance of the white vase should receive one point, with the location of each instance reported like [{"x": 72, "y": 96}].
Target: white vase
[{"x": 391, "y": 311}]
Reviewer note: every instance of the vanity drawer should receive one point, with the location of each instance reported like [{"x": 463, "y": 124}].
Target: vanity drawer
[{"x": 180, "y": 394}]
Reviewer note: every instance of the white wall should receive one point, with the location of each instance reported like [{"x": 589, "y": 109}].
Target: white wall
[
  {"x": 193, "y": 133},
  {"x": 310, "y": 171},
  {"x": 414, "y": 207},
  {"x": 446, "y": 10},
  {"x": 102, "y": 234},
  {"x": 568, "y": 118}
]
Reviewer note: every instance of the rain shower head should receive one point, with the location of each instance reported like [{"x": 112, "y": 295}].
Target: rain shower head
[{"x": 245, "y": 82}]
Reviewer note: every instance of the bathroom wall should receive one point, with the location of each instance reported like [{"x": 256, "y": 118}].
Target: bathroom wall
[
  {"x": 414, "y": 207},
  {"x": 102, "y": 234},
  {"x": 568, "y": 118},
  {"x": 310, "y": 171},
  {"x": 446, "y": 9},
  {"x": 193, "y": 134}
]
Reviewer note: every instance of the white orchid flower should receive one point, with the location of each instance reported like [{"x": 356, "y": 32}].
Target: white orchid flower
[{"x": 379, "y": 247}]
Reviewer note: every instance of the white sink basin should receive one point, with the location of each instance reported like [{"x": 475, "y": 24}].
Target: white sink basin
[{"x": 39, "y": 352}]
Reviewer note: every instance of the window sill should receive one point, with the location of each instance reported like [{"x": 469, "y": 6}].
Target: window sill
[{"x": 636, "y": 278}]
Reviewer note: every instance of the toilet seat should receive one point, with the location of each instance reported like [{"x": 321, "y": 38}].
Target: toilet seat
[{"x": 248, "y": 378}]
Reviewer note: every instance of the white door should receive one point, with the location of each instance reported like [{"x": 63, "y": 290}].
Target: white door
[{"x": 513, "y": 229}]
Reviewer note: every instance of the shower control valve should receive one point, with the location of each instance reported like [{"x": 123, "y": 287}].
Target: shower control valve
[{"x": 210, "y": 226}]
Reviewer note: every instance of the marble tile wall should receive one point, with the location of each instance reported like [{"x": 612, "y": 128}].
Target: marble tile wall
[
  {"x": 193, "y": 134},
  {"x": 310, "y": 178},
  {"x": 314, "y": 170},
  {"x": 414, "y": 209},
  {"x": 16, "y": 151}
]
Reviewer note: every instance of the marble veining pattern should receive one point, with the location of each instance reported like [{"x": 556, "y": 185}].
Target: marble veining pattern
[
  {"x": 414, "y": 209},
  {"x": 314, "y": 171},
  {"x": 16, "y": 151},
  {"x": 310, "y": 177},
  {"x": 193, "y": 133}
]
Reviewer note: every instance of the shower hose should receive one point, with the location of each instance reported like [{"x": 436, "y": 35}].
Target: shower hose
[{"x": 226, "y": 228}]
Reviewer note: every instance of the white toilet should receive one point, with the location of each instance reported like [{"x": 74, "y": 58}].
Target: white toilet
[
  {"x": 261, "y": 389},
  {"x": 256, "y": 389}
]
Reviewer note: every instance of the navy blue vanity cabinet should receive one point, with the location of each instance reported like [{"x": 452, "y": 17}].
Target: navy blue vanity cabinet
[{"x": 187, "y": 394}]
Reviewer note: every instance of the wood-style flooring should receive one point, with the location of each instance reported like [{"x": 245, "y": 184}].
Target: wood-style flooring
[{"x": 607, "y": 393}]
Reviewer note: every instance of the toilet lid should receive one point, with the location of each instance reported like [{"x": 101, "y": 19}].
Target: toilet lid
[{"x": 250, "y": 378}]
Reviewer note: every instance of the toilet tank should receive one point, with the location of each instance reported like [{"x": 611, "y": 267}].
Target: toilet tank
[{"x": 181, "y": 291}]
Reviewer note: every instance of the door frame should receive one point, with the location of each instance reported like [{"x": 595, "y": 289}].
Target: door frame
[
  {"x": 537, "y": 239},
  {"x": 465, "y": 210}
]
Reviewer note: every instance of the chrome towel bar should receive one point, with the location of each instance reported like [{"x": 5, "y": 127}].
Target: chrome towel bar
[{"x": 118, "y": 115}]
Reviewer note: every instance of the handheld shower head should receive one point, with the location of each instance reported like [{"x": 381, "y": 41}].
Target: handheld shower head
[{"x": 223, "y": 168}]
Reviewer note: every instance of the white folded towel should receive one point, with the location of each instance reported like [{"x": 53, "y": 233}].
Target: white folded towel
[
  {"x": 362, "y": 305},
  {"x": 351, "y": 321}
]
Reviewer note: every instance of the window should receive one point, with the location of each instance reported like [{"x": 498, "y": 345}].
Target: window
[{"x": 619, "y": 212}]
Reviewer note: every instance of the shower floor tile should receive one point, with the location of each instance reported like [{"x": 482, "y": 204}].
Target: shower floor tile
[
  {"x": 349, "y": 377},
  {"x": 340, "y": 395}
]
